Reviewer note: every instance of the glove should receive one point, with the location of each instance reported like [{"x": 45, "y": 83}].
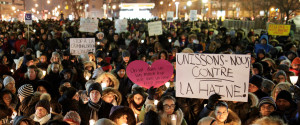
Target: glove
[
  {"x": 212, "y": 101},
  {"x": 151, "y": 92}
]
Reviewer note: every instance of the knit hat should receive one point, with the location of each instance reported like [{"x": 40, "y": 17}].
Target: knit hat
[
  {"x": 43, "y": 103},
  {"x": 258, "y": 66},
  {"x": 95, "y": 86},
  {"x": 7, "y": 80},
  {"x": 296, "y": 60},
  {"x": 283, "y": 94},
  {"x": 125, "y": 53},
  {"x": 280, "y": 72},
  {"x": 256, "y": 80},
  {"x": 268, "y": 84},
  {"x": 25, "y": 90},
  {"x": 267, "y": 100},
  {"x": 97, "y": 72},
  {"x": 73, "y": 116},
  {"x": 283, "y": 67}
]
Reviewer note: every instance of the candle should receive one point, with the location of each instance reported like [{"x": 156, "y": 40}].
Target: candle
[
  {"x": 87, "y": 77},
  {"x": 294, "y": 79},
  {"x": 173, "y": 119},
  {"x": 155, "y": 102},
  {"x": 103, "y": 85},
  {"x": 12, "y": 70},
  {"x": 92, "y": 122},
  {"x": 167, "y": 84},
  {"x": 98, "y": 43},
  {"x": 44, "y": 73}
]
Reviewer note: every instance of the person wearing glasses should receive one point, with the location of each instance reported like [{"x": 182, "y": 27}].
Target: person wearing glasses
[{"x": 169, "y": 111}]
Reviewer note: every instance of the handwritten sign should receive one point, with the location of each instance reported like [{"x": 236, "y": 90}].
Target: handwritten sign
[
  {"x": 193, "y": 15},
  {"x": 80, "y": 46},
  {"x": 201, "y": 75},
  {"x": 279, "y": 29},
  {"x": 88, "y": 25},
  {"x": 121, "y": 25},
  {"x": 146, "y": 76},
  {"x": 170, "y": 16},
  {"x": 155, "y": 28}
]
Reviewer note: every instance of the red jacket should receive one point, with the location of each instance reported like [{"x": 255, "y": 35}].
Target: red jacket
[{"x": 19, "y": 43}]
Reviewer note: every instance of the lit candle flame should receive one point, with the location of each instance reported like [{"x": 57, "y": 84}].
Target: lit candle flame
[
  {"x": 12, "y": 70},
  {"x": 167, "y": 84},
  {"x": 98, "y": 43},
  {"x": 44, "y": 73},
  {"x": 155, "y": 102},
  {"x": 92, "y": 122},
  {"x": 103, "y": 85},
  {"x": 87, "y": 77}
]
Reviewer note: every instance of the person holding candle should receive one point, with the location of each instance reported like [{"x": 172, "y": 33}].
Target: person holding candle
[
  {"x": 95, "y": 108},
  {"x": 109, "y": 79},
  {"x": 112, "y": 96},
  {"x": 122, "y": 115},
  {"x": 136, "y": 100},
  {"x": 169, "y": 111}
]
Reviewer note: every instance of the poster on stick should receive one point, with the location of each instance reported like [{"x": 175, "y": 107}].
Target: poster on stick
[
  {"x": 121, "y": 25},
  {"x": 193, "y": 15},
  {"x": 80, "y": 46},
  {"x": 201, "y": 75},
  {"x": 279, "y": 29},
  {"x": 170, "y": 16},
  {"x": 156, "y": 75},
  {"x": 155, "y": 28},
  {"x": 88, "y": 25}
]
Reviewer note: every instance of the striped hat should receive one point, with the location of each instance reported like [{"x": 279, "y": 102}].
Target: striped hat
[{"x": 25, "y": 90}]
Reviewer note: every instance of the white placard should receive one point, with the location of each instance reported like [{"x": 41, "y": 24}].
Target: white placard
[
  {"x": 155, "y": 28},
  {"x": 121, "y": 25},
  {"x": 80, "y": 46},
  {"x": 193, "y": 15},
  {"x": 28, "y": 19},
  {"x": 201, "y": 75},
  {"x": 170, "y": 16},
  {"x": 88, "y": 25}
]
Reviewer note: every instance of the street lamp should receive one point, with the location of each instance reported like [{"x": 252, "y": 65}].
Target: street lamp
[
  {"x": 173, "y": 0},
  {"x": 161, "y": 2},
  {"x": 13, "y": 8},
  {"x": 204, "y": 1},
  {"x": 114, "y": 7},
  {"x": 36, "y": 5},
  {"x": 48, "y": 1},
  {"x": 169, "y": 4},
  {"x": 189, "y": 3}
]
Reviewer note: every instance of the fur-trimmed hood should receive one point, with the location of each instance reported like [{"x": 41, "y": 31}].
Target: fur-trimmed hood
[
  {"x": 254, "y": 99},
  {"x": 166, "y": 119},
  {"x": 232, "y": 119},
  {"x": 89, "y": 63},
  {"x": 116, "y": 93},
  {"x": 113, "y": 79}
]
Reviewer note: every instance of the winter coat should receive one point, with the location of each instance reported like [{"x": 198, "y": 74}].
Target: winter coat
[
  {"x": 85, "y": 111},
  {"x": 232, "y": 119},
  {"x": 116, "y": 93},
  {"x": 267, "y": 47},
  {"x": 114, "y": 80},
  {"x": 124, "y": 88},
  {"x": 18, "y": 120},
  {"x": 27, "y": 106},
  {"x": 191, "y": 109},
  {"x": 53, "y": 117},
  {"x": 19, "y": 43}
]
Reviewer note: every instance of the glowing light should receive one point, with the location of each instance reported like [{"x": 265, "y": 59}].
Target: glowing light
[
  {"x": 36, "y": 5},
  {"x": 204, "y": 1},
  {"x": 13, "y": 8},
  {"x": 48, "y": 2},
  {"x": 44, "y": 73},
  {"x": 155, "y": 102},
  {"x": 161, "y": 2},
  {"x": 87, "y": 77},
  {"x": 114, "y": 7},
  {"x": 272, "y": 9},
  {"x": 92, "y": 122},
  {"x": 167, "y": 84},
  {"x": 103, "y": 85},
  {"x": 58, "y": 6},
  {"x": 12, "y": 70},
  {"x": 294, "y": 79},
  {"x": 170, "y": 4},
  {"x": 189, "y": 3}
]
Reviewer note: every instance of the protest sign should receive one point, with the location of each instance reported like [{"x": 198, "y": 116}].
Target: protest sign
[
  {"x": 121, "y": 25},
  {"x": 279, "y": 29},
  {"x": 80, "y": 46},
  {"x": 88, "y": 25},
  {"x": 193, "y": 15},
  {"x": 155, "y": 28},
  {"x": 201, "y": 75},
  {"x": 170, "y": 16},
  {"x": 147, "y": 76},
  {"x": 28, "y": 19}
]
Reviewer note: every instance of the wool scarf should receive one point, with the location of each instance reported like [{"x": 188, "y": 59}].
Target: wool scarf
[{"x": 95, "y": 108}]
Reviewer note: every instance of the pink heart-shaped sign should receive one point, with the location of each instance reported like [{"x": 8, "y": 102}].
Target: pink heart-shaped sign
[{"x": 146, "y": 76}]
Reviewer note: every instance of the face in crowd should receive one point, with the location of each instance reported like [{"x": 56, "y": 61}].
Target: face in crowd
[
  {"x": 169, "y": 106},
  {"x": 266, "y": 109},
  {"x": 221, "y": 113},
  {"x": 95, "y": 96}
]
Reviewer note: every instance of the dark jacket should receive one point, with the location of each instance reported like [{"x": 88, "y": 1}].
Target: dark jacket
[
  {"x": 85, "y": 111},
  {"x": 27, "y": 106}
]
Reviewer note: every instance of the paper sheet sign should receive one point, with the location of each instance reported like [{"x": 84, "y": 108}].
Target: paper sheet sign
[
  {"x": 139, "y": 72},
  {"x": 279, "y": 29},
  {"x": 121, "y": 25},
  {"x": 193, "y": 15},
  {"x": 170, "y": 16},
  {"x": 88, "y": 25},
  {"x": 201, "y": 75},
  {"x": 155, "y": 28},
  {"x": 80, "y": 46}
]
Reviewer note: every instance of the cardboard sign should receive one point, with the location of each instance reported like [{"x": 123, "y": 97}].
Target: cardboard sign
[
  {"x": 193, "y": 15},
  {"x": 80, "y": 46},
  {"x": 201, "y": 75},
  {"x": 155, "y": 28},
  {"x": 147, "y": 76},
  {"x": 88, "y": 25},
  {"x": 170, "y": 16},
  {"x": 279, "y": 29},
  {"x": 28, "y": 19},
  {"x": 121, "y": 25}
]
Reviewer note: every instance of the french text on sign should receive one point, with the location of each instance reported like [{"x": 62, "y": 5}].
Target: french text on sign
[{"x": 201, "y": 75}]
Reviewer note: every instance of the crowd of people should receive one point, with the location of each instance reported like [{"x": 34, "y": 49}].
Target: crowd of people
[{"x": 42, "y": 83}]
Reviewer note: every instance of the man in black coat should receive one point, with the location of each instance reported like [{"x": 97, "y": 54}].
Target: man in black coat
[{"x": 96, "y": 108}]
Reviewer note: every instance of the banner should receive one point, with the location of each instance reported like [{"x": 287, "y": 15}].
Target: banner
[
  {"x": 88, "y": 25},
  {"x": 193, "y": 15},
  {"x": 279, "y": 29},
  {"x": 80, "y": 46},
  {"x": 201, "y": 75},
  {"x": 170, "y": 16},
  {"x": 121, "y": 25},
  {"x": 155, "y": 28}
]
